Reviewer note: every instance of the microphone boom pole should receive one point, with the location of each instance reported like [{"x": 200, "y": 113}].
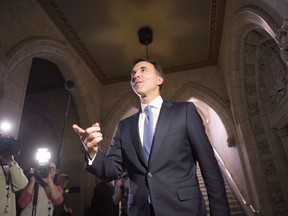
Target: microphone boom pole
[{"x": 69, "y": 86}]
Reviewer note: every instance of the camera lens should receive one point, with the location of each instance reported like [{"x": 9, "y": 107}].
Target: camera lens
[
  {"x": 9, "y": 146},
  {"x": 6, "y": 147},
  {"x": 43, "y": 170}
]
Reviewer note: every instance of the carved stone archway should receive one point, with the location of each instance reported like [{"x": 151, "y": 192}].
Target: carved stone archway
[
  {"x": 17, "y": 69},
  {"x": 252, "y": 55},
  {"x": 67, "y": 62}
]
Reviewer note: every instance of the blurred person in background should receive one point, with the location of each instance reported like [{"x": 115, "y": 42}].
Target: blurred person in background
[
  {"x": 62, "y": 181},
  {"x": 12, "y": 180},
  {"x": 102, "y": 202},
  {"x": 41, "y": 194},
  {"x": 120, "y": 196}
]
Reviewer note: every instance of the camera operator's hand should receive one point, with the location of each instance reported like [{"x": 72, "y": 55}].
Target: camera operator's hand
[
  {"x": 31, "y": 175},
  {"x": 51, "y": 174},
  {"x": 32, "y": 179},
  {"x": 119, "y": 190},
  {"x": 48, "y": 180},
  {"x": 121, "y": 183},
  {"x": 5, "y": 159},
  {"x": 54, "y": 192}
]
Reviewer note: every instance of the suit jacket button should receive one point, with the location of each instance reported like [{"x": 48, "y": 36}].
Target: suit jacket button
[{"x": 150, "y": 175}]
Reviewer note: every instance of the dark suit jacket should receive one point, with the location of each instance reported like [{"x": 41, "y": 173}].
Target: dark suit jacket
[{"x": 170, "y": 174}]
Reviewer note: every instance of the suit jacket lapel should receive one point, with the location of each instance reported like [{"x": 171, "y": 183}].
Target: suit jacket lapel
[
  {"x": 134, "y": 131},
  {"x": 161, "y": 128}
]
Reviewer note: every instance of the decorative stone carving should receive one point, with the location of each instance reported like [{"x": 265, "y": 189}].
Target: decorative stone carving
[
  {"x": 269, "y": 168},
  {"x": 250, "y": 90},
  {"x": 263, "y": 147},
  {"x": 257, "y": 127},
  {"x": 278, "y": 197},
  {"x": 278, "y": 200},
  {"x": 253, "y": 108},
  {"x": 270, "y": 80},
  {"x": 249, "y": 53},
  {"x": 273, "y": 74},
  {"x": 249, "y": 70},
  {"x": 282, "y": 39},
  {"x": 283, "y": 135},
  {"x": 268, "y": 100},
  {"x": 231, "y": 142},
  {"x": 254, "y": 37}
]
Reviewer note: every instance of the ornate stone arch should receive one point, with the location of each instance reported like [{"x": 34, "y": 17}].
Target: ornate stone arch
[
  {"x": 249, "y": 30},
  {"x": 39, "y": 119},
  {"x": 126, "y": 106},
  {"x": 246, "y": 20},
  {"x": 69, "y": 64},
  {"x": 18, "y": 65},
  {"x": 218, "y": 104}
]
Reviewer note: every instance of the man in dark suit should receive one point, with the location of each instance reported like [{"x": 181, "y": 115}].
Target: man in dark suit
[{"x": 162, "y": 177}]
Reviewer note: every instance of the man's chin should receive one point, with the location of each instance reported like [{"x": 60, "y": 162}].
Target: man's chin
[{"x": 138, "y": 92}]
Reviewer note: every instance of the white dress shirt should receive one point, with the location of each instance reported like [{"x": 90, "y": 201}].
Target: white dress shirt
[{"x": 155, "y": 108}]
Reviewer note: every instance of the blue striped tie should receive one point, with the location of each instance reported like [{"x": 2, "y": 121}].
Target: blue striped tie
[{"x": 148, "y": 131}]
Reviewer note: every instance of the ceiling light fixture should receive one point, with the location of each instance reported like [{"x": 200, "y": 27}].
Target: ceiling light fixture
[{"x": 145, "y": 35}]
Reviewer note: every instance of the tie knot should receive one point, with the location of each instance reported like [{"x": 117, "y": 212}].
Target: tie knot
[{"x": 148, "y": 109}]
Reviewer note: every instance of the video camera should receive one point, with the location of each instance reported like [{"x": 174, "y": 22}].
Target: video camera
[{"x": 9, "y": 145}]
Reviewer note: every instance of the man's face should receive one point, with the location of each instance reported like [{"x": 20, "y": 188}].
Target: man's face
[{"x": 145, "y": 80}]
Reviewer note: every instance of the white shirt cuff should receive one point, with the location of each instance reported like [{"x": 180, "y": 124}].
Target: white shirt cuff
[{"x": 90, "y": 161}]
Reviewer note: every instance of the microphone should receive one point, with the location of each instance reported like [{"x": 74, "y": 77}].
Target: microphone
[{"x": 69, "y": 86}]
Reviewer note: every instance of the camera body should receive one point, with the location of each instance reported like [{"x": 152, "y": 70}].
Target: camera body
[
  {"x": 40, "y": 171},
  {"x": 9, "y": 146}
]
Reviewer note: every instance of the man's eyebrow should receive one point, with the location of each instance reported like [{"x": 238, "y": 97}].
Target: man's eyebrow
[{"x": 142, "y": 67}]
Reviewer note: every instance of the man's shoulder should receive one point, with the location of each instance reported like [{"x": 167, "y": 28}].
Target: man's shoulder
[
  {"x": 177, "y": 103},
  {"x": 131, "y": 117}
]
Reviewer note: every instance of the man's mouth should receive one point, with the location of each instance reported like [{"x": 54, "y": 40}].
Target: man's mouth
[{"x": 138, "y": 82}]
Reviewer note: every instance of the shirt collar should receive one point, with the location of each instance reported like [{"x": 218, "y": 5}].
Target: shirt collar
[{"x": 156, "y": 103}]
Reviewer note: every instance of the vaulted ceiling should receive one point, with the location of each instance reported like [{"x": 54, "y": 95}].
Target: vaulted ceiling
[{"x": 186, "y": 33}]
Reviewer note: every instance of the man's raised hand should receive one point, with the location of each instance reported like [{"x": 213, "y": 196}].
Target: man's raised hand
[{"x": 90, "y": 138}]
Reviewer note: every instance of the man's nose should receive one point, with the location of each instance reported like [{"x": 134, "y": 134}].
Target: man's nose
[{"x": 137, "y": 73}]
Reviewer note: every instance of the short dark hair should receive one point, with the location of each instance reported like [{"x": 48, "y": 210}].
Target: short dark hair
[{"x": 154, "y": 63}]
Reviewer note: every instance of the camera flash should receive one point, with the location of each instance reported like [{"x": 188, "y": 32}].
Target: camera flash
[
  {"x": 6, "y": 126},
  {"x": 43, "y": 155}
]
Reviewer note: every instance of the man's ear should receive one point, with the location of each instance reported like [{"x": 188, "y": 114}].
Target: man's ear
[{"x": 160, "y": 80}]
